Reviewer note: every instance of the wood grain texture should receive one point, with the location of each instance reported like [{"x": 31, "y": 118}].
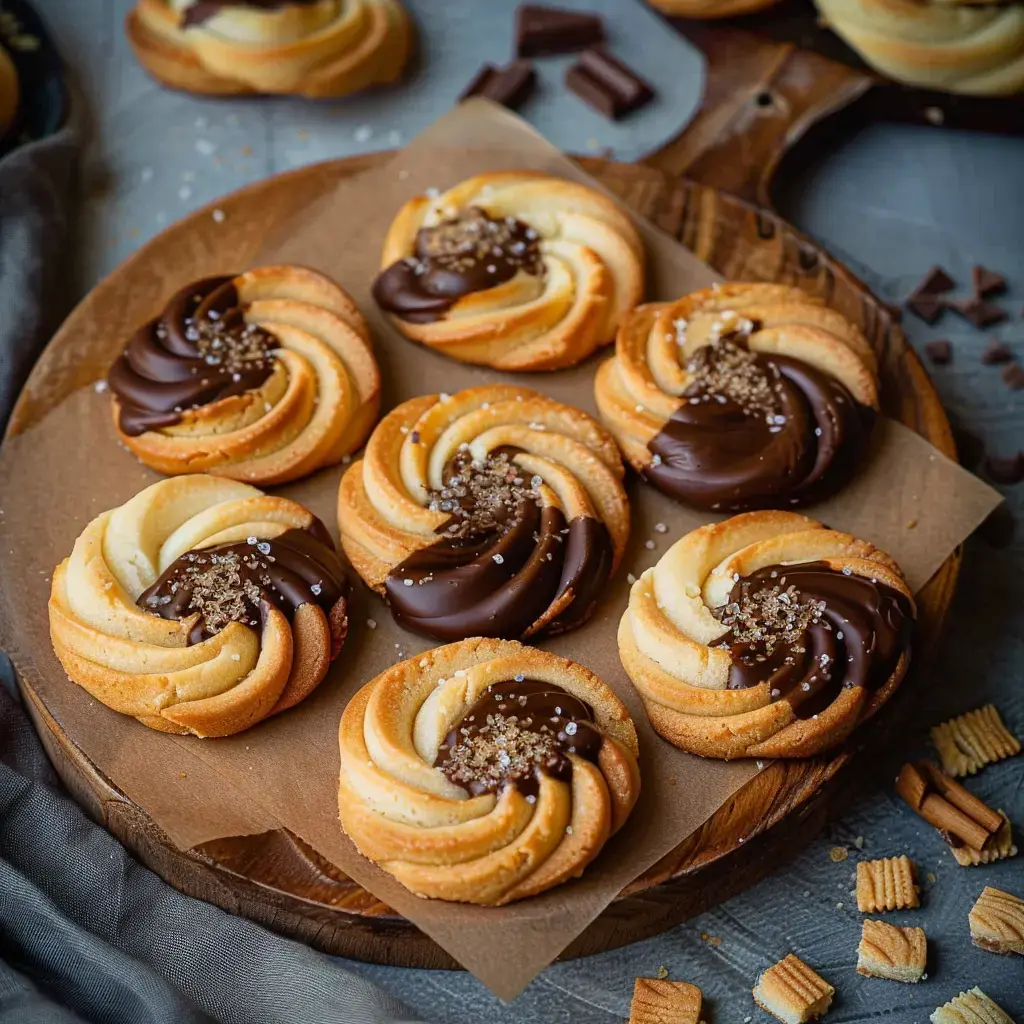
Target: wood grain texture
[{"x": 277, "y": 880}]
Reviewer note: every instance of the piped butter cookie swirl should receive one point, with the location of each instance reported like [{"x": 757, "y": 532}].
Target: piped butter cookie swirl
[
  {"x": 515, "y": 270},
  {"x": 200, "y": 606},
  {"x": 741, "y": 396},
  {"x": 485, "y": 771},
  {"x": 263, "y": 377},
  {"x": 492, "y": 512},
  {"x": 766, "y": 635}
]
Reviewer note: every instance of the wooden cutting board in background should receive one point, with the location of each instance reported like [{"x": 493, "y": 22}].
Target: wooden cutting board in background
[{"x": 776, "y": 75}]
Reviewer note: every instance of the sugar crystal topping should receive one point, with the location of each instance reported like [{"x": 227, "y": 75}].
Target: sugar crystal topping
[{"x": 770, "y": 617}]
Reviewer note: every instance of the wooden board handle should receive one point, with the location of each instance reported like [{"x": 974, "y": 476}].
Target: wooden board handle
[{"x": 761, "y": 96}]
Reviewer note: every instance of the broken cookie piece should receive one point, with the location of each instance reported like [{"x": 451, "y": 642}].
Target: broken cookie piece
[
  {"x": 792, "y": 992},
  {"x": 973, "y": 1007},
  {"x": 886, "y": 951},
  {"x": 973, "y": 740},
  {"x": 997, "y": 922},
  {"x": 887, "y": 884},
  {"x": 657, "y": 1001}
]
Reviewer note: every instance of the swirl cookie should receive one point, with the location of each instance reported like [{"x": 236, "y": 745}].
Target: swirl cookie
[
  {"x": 492, "y": 512},
  {"x": 200, "y": 606},
  {"x": 263, "y": 377},
  {"x": 517, "y": 270},
  {"x": 710, "y": 8},
  {"x": 965, "y": 46},
  {"x": 742, "y": 396},
  {"x": 485, "y": 771},
  {"x": 766, "y": 635},
  {"x": 313, "y": 48}
]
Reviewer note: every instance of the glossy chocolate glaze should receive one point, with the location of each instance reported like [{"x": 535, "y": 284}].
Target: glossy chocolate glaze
[
  {"x": 202, "y": 10},
  {"x": 495, "y": 578},
  {"x": 239, "y": 582},
  {"x": 468, "y": 253},
  {"x": 715, "y": 454},
  {"x": 849, "y": 631},
  {"x": 198, "y": 351},
  {"x": 516, "y": 730}
]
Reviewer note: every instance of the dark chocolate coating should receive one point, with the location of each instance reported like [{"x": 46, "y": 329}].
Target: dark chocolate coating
[
  {"x": 537, "y": 707},
  {"x": 282, "y": 572},
  {"x": 460, "y": 590},
  {"x": 162, "y": 371},
  {"x": 422, "y": 288},
  {"x": 715, "y": 455},
  {"x": 202, "y": 10},
  {"x": 863, "y": 631}
]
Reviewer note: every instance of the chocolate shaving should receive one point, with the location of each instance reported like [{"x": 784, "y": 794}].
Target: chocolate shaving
[
  {"x": 541, "y": 31},
  {"x": 987, "y": 282},
  {"x": 511, "y": 86},
  {"x": 996, "y": 352},
  {"x": 927, "y": 307},
  {"x": 607, "y": 85},
  {"x": 935, "y": 282},
  {"x": 1005, "y": 470},
  {"x": 978, "y": 312},
  {"x": 939, "y": 352},
  {"x": 1013, "y": 376}
]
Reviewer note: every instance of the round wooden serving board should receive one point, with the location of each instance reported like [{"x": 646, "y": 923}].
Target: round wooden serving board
[{"x": 274, "y": 878}]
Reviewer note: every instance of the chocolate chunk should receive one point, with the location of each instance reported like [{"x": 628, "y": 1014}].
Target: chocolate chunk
[
  {"x": 510, "y": 86},
  {"x": 970, "y": 448},
  {"x": 607, "y": 85},
  {"x": 935, "y": 282},
  {"x": 998, "y": 529},
  {"x": 996, "y": 352},
  {"x": 939, "y": 352},
  {"x": 927, "y": 307},
  {"x": 1013, "y": 376},
  {"x": 1008, "y": 470},
  {"x": 987, "y": 282},
  {"x": 978, "y": 312},
  {"x": 545, "y": 30}
]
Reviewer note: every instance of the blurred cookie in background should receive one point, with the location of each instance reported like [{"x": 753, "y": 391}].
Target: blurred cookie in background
[
  {"x": 710, "y": 8},
  {"x": 9, "y": 92}
]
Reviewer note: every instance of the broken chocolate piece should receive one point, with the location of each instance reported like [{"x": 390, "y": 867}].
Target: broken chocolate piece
[
  {"x": 996, "y": 352},
  {"x": 927, "y": 307},
  {"x": 999, "y": 527},
  {"x": 607, "y": 85},
  {"x": 978, "y": 312},
  {"x": 1013, "y": 376},
  {"x": 987, "y": 282},
  {"x": 935, "y": 282},
  {"x": 541, "y": 31},
  {"x": 510, "y": 86},
  {"x": 939, "y": 352},
  {"x": 1009, "y": 470}
]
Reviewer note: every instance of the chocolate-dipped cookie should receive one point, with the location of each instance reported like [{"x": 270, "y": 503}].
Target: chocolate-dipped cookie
[
  {"x": 492, "y": 512},
  {"x": 515, "y": 270},
  {"x": 264, "y": 377},
  {"x": 739, "y": 397},
  {"x": 485, "y": 771},
  {"x": 200, "y": 606},
  {"x": 766, "y": 635}
]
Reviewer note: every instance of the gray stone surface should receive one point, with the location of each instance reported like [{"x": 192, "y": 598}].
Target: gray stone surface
[{"x": 892, "y": 201}]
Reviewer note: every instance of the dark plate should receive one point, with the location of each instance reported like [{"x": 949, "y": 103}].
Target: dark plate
[{"x": 44, "y": 99}]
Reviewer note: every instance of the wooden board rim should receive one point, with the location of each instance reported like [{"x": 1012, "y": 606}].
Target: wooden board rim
[{"x": 677, "y": 886}]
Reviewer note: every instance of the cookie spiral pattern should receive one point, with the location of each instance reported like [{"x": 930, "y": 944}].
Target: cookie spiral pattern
[
  {"x": 741, "y": 396},
  {"x": 264, "y": 377},
  {"x": 200, "y": 606},
  {"x": 314, "y": 48},
  {"x": 766, "y": 635},
  {"x": 959, "y": 46},
  {"x": 517, "y": 270},
  {"x": 485, "y": 771},
  {"x": 492, "y": 512}
]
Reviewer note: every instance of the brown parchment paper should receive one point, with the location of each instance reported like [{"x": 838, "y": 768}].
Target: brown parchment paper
[{"x": 58, "y": 475}]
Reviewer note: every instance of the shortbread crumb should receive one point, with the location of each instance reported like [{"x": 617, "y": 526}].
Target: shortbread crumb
[
  {"x": 792, "y": 992},
  {"x": 1000, "y": 847},
  {"x": 656, "y": 1001},
  {"x": 887, "y": 884},
  {"x": 973, "y": 740},
  {"x": 973, "y": 1007},
  {"x": 896, "y": 954},
  {"x": 997, "y": 922}
]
